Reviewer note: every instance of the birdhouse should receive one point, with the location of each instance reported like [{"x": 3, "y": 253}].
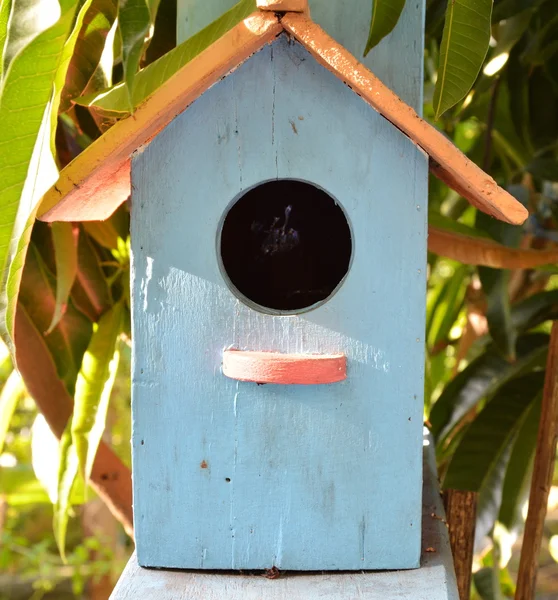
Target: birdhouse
[{"x": 279, "y": 230}]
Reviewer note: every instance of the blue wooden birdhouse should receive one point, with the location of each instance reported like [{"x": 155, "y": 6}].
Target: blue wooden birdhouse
[{"x": 279, "y": 232}]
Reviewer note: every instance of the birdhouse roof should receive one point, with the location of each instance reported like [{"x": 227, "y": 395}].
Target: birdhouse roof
[{"x": 95, "y": 183}]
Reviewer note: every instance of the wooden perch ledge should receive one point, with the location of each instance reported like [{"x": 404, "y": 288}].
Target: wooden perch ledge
[{"x": 93, "y": 185}]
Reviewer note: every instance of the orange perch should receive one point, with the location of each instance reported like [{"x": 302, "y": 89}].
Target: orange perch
[{"x": 274, "y": 367}]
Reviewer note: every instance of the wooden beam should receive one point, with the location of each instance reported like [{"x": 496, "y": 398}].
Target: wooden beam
[
  {"x": 93, "y": 185},
  {"x": 447, "y": 162},
  {"x": 542, "y": 476},
  {"x": 471, "y": 250},
  {"x": 461, "y": 513}
]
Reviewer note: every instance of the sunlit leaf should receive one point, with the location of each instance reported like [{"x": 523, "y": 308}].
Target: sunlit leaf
[
  {"x": 5, "y": 8},
  {"x": 385, "y": 14},
  {"x": 27, "y": 166},
  {"x": 94, "y": 386},
  {"x": 89, "y": 47},
  {"x": 20, "y": 487},
  {"x": 462, "y": 52},
  {"x": 68, "y": 479},
  {"x": 116, "y": 101},
  {"x": 64, "y": 237},
  {"x": 11, "y": 394},
  {"x": 134, "y": 20}
]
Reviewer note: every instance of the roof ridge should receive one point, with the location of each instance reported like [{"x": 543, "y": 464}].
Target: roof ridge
[{"x": 94, "y": 184}]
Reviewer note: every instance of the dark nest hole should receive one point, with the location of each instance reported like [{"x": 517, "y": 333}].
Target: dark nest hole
[{"x": 285, "y": 245}]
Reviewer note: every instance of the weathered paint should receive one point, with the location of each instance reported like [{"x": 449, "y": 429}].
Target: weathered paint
[
  {"x": 447, "y": 162},
  {"x": 97, "y": 182},
  {"x": 288, "y": 369},
  {"x": 300, "y": 477},
  {"x": 435, "y": 580},
  {"x": 397, "y": 60}
]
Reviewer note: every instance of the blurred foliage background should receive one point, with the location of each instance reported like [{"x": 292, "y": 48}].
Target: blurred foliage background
[{"x": 492, "y": 290}]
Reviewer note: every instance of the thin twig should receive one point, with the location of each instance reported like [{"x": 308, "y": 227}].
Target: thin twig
[{"x": 542, "y": 476}]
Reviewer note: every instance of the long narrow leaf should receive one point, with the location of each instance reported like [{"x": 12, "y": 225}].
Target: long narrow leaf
[
  {"x": 64, "y": 237},
  {"x": 26, "y": 165},
  {"x": 115, "y": 100},
  {"x": 516, "y": 483},
  {"x": 12, "y": 392},
  {"x": 88, "y": 49},
  {"x": 5, "y": 9},
  {"x": 93, "y": 388},
  {"x": 490, "y": 433},
  {"x": 134, "y": 20},
  {"x": 385, "y": 14},
  {"x": 68, "y": 472},
  {"x": 482, "y": 378},
  {"x": 462, "y": 52}
]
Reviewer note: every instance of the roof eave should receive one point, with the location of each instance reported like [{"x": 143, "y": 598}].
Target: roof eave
[
  {"x": 93, "y": 185},
  {"x": 447, "y": 162},
  {"x": 97, "y": 181}
]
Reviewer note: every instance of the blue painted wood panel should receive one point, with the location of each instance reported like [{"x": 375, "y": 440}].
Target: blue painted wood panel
[
  {"x": 435, "y": 580},
  {"x": 321, "y": 477},
  {"x": 397, "y": 60}
]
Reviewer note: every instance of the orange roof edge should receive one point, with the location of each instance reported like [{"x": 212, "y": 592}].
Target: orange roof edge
[
  {"x": 93, "y": 185},
  {"x": 97, "y": 181}
]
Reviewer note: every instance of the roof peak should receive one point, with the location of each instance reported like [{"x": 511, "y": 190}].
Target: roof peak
[
  {"x": 94, "y": 184},
  {"x": 297, "y": 6}
]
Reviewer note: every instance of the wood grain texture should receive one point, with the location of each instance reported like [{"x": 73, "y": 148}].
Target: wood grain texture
[
  {"x": 486, "y": 252},
  {"x": 94, "y": 184},
  {"x": 461, "y": 512},
  {"x": 348, "y": 22},
  {"x": 447, "y": 162},
  {"x": 285, "y": 369},
  {"x": 541, "y": 481},
  {"x": 435, "y": 580},
  {"x": 321, "y": 477}
]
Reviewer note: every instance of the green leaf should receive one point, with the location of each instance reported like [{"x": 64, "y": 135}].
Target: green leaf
[
  {"x": 495, "y": 283},
  {"x": 445, "y": 311},
  {"x": 91, "y": 292},
  {"x": 69, "y": 339},
  {"x": 94, "y": 386},
  {"x": 490, "y": 433},
  {"x": 27, "y": 167},
  {"x": 20, "y": 486},
  {"x": 508, "y": 8},
  {"x": 385, "y": 14},
  {"x": 482, "y": 378},
  {"x": 518, "y": 474},
  {"x": 68, "y": 479},
  {"x": 64, "y": 237},
  {"x": 115, "y": 100},
  {"x": 11, "y": 394},
  {"x": 5, "y": 9},
  {"x": 535, "y": 310},
  {"x": 462, "y": 52},
  {"x": 134, "y": 20},
  {"x": 88, "y": 49}
]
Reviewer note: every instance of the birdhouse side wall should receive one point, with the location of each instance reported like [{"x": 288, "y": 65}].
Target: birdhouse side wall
[{"x": 234, "y": 475}]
